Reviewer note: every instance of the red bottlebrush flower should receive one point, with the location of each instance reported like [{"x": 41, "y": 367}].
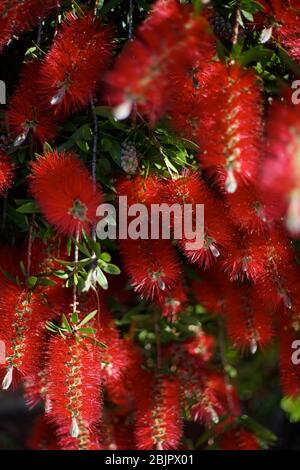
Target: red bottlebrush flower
[
  {"x": 200, "y": 400},
  {"x": 286, "y": 28},
  {"x": 166, "y": 42},
  {"x": 118, "y": 432},
  {"x": 209, "y": 291},
  {"x": 239, "y": 439},
  {"x": 201, "y": 345},
  {"x": 16, "y": 16},
  {"x": 249, "y": 323},
  {"x": 140, "y": 190},
  {"x": 73, "y": 374},
  {"x": 186, "y": 189},
  {"x": 64, "y": 190},
  {"x": 246, "y": 257},
  {"x": 75, "y": 63},
  {"x": 280, "y": 173},
  {"x": 158, "y": 273},
  {"x": 248, "y": 210},
  {"x": 289, "y": 372},
  {"x": 186, "y": 107},
  {"x": 279, "y": 288},
  {"x": 22, "y": 329},
  {"x": 158, "y": 425},
  {"x": 173, "y": 303},
  {"x": 6, "y": 172},
  {"x": 26, "y": 113},
  {"x": 231, "y": 128},
  {"x": 42, "y": 436},
  {"x": 217, "y": 234},
  {"x": 208, "y": 408},
  {"x": 88, "y": 440}
]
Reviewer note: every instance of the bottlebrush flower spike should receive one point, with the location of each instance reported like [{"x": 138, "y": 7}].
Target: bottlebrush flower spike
[
  {"x": 231, "y": 128},
  {"x": 246, "y": 257},
  {"x": 42, "y": 436},
  {"x": 23, "y": 315},
  {"x": 210, "y": 290},
  {"x": 248, "y": 210},
  {"x": 159, "y": 425},
  {"x": 27, "y": 114},
  {"x": 75, "y": 63},
  {"x": 16, "y": 16},
  {"x": 249, "y": 323},
  {"x": 186, "y": 108},
  {"x": 217, "y": 236},
  {"x": 6, "y": 172},
  {"x": 279, "y": 288},
  {"x": 74, "y": 377},
  {"x": 202, "y": 345},
  {"x": 239, "y": 439},
  {"x": 158, "y": 273},
  {"x": 164, "y": 43},
  {"x": 67, "y": 202},
  {"x": 280, "y": 174},
  {"x": 286, "y": 25},
  {"x": 174, "y": 302},
  {"x": 140, "y": 190},
  {"x": 200, "y": 400}
]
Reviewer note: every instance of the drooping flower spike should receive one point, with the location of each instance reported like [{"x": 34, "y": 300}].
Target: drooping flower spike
[
  {"x": 158, "y": 273},
  {"x": 18, "y": 16},
  {"x": 26, "y": 113},
  {"x": 75, "y": 64},
  {"x": 230, "y": 134},
  {"x": 64, "y": 191},
  {"x": 6, "y": 172},
  {"x": 280, "y": 173},
  {"x": 167, "y": 41},
  {"x": 23, "y": 315}
]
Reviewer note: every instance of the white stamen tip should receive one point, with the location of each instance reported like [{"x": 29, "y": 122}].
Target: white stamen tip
[
  {"x": 21, "y": 138},
  {"x": 123, "y": 110},
  {"x": 266, "y": 35},
  {"x": 74, "y": 429},
  {"x": 231, "y": 182},
  {"x": 8, "y": 378},
  {"x": 253, "y": 346},
  {"x": 214, "y": 251},
  {"x": 58, "y": 98}
]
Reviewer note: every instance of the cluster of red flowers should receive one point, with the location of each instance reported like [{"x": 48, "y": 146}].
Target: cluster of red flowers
[{"x": 99, "y": 389}]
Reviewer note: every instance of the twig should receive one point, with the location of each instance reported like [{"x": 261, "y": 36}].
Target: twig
[
  {"x": 224, "y": 365},
  {"x": 39, "y": 34},
  {"x": 76, "y": 258},
  {"x": 236, "y": 29},
  {"x": 158, "y": 341},
  {"x": 29, "y": 246},
  {"x": 130, "y": 19}
]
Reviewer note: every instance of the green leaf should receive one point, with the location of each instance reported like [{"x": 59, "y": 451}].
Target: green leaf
[
  {"x": 28, "y": 208},
  {"x": 23, "y": 270},
  {"x": 247, "y": 15},
  {"x": 31, "y": 281},
  {"x": 88, "y": 318},
  {"x": 88, "y": 331},
  {"x": 74, "y": 318},
  {"x": 291, "y": 405},
  {"x": 66, "y": 324},
  {"x": 105, "y": 257},
  {"x": 101, "y": 279},
  {"x": 112, "y": 269}
]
